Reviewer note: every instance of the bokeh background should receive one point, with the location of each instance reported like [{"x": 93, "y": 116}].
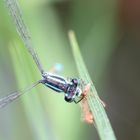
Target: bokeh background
[{"x": 108, "y": 35}]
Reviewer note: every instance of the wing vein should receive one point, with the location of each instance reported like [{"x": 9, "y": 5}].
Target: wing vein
[{"x": 22, "y": 30}]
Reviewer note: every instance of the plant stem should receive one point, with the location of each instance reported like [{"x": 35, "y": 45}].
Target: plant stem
[{"x": 102, "y": 122}]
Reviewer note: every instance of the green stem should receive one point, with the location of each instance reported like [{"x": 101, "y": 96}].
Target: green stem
[{"x": 102, "y": 122}]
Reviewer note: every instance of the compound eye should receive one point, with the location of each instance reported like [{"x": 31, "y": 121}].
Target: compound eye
[
  {"x": 75, "y": 81},
  {"x": 68, "y": 99}
]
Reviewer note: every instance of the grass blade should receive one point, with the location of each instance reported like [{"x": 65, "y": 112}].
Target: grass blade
[{"x": 102, "y": 122}]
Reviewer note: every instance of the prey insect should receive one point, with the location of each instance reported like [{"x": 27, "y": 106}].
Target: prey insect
[
  {"x": 71, "y": 88},
  {"x": 86, "y": 114}
]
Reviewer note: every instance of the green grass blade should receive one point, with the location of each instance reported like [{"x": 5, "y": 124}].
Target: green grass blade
[{"x": 102, "y": 122}]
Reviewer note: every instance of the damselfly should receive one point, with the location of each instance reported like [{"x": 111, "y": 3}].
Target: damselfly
[{"x": 72, "y": 87}]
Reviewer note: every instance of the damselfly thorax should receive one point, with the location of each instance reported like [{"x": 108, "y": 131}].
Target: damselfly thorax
[{"x": 70, "y": 87}]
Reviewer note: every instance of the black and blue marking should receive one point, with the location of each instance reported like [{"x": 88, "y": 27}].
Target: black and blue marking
[{"x": 70, "y": 87}]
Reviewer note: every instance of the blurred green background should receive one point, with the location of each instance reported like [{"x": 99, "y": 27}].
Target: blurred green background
[{"x": 109, "y": 43}]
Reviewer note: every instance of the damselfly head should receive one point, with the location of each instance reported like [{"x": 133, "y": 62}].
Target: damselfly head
[
  {"x": 74, "y": 91},
  {"x": 80, "y": 91}
]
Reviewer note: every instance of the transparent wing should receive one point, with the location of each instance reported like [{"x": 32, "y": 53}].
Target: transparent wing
[
  {"x": 13, "y": 96},
  {"x": 16, "y": 15}
]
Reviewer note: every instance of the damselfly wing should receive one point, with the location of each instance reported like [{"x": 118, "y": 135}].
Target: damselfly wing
[
  {"x": 22, "y": 30},
  {"x": 13, "y": 96}
]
